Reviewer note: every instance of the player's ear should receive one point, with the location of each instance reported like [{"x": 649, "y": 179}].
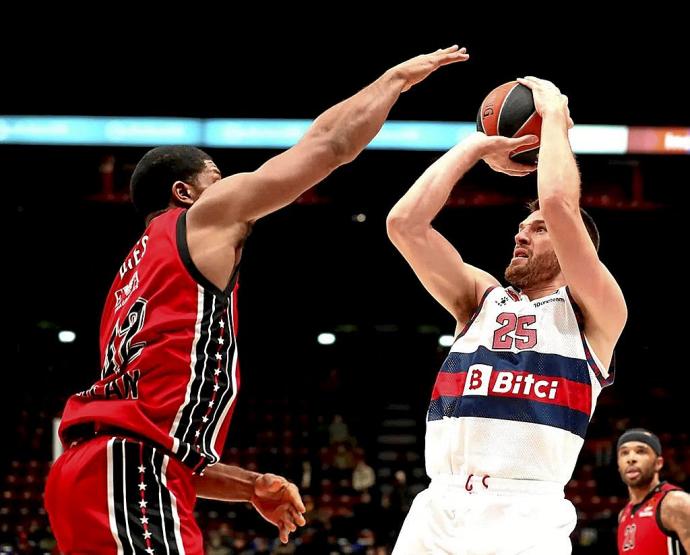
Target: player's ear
[
  {"x": 658, "y": 465},
  {"x": 181, "y": 194}
]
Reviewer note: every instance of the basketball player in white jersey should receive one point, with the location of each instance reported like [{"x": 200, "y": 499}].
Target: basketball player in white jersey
[{"x": 512, "y": 401}]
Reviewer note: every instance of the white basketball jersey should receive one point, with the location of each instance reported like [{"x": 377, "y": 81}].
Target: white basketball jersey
[{"x": 515, "y": 395}]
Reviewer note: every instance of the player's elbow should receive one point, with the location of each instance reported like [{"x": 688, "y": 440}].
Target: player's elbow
[
  {"x": 396, "y": 223},
  {"x": 400, "y": 226}
]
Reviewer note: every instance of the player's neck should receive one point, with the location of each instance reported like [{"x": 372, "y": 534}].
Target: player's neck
[
  {"x": 637, "y": 495},
  {"x": 543, "y": 289},
  {"x": 153, "y": 215}
]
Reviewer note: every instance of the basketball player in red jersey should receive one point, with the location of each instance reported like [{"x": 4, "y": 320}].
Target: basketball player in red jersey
[
  {"x": 656, "y": 520},
  {"x": 145, "y": 440}
]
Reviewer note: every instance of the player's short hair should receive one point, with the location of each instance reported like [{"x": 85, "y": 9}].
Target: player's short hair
[{"x": 151, "y": 184}]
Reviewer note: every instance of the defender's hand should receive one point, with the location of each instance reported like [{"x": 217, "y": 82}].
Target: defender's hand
[
  {"x": 420, "y": 67},
  {"x": 279, "y": 502}
]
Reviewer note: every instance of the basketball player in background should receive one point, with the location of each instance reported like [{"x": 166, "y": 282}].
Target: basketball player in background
[
  {"x": 145, "y": 440},
  {"x": 514, "y": 397},
  {"x": 656, "y": 520}
]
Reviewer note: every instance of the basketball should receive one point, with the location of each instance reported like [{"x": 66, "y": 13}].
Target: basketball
[{"x": 509, "y": 111}]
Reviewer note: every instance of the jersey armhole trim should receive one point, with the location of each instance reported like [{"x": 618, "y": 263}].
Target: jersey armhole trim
[
  {"x": 604, "y": 381},
  {"x": 657, "y": 516},
  {"x": 476, "y": 313},
  {"x": 185, "y": 256}
]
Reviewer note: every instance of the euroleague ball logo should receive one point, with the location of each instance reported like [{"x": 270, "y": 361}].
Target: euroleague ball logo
[{"x": 509, "y": 111}]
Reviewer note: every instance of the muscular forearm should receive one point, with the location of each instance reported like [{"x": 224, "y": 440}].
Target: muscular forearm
[
  {"x": 558, "y": 177},
  {"x": 425, "y": 199},
  {"x": 226, "y": 483},
  {"x": 353, "y": 123}
]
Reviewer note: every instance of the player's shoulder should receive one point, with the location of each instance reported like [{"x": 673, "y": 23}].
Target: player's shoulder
[
  {"x": 677, "y": 499},
  {"x": 673, "y": 509}
]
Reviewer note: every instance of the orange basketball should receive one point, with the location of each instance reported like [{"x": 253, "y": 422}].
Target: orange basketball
[{"x": 509, "y": 111}]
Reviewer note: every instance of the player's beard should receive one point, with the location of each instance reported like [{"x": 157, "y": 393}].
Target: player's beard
[
  {"x": 540, "y": 268},
  {"x": 642, "y": 480}
]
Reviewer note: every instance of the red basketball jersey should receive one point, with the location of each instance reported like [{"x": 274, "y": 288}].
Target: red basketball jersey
[
  {"x": 169, "y": 357},
  {"x": 640, "y": 530}
]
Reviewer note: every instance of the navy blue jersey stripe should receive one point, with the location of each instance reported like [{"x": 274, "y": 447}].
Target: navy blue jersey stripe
[
  {"x": 529, "y": 361},
  {"x": 519, "y": 410}
]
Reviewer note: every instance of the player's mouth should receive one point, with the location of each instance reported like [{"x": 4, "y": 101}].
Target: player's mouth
[
  {"x": 520, "y": 253},
  {"x": 632, "y": 473}
]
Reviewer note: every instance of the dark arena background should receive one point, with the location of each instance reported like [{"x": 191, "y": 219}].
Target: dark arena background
[{"x": 317, "y": 413}]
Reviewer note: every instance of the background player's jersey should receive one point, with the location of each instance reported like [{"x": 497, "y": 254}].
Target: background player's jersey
[
  {"x": 514, "y": 397},
  {"x": 169, "y": 359},
  {"x": 640, "y": 530}
]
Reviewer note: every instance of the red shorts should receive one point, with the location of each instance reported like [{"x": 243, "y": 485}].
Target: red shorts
[{"x": 118, "y": 495}]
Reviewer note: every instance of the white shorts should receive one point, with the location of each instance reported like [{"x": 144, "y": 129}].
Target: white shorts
[{"x": 488, "y": 516}]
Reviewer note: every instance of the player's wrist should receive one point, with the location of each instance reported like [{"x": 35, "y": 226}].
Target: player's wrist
[
  {"x": 553, "y": 111},
  {"x": 477, "y": 144},
  {"x": 394, "y": 79}
]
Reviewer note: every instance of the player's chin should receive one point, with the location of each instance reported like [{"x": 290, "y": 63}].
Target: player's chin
[{"x": 514, "y": 264}]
